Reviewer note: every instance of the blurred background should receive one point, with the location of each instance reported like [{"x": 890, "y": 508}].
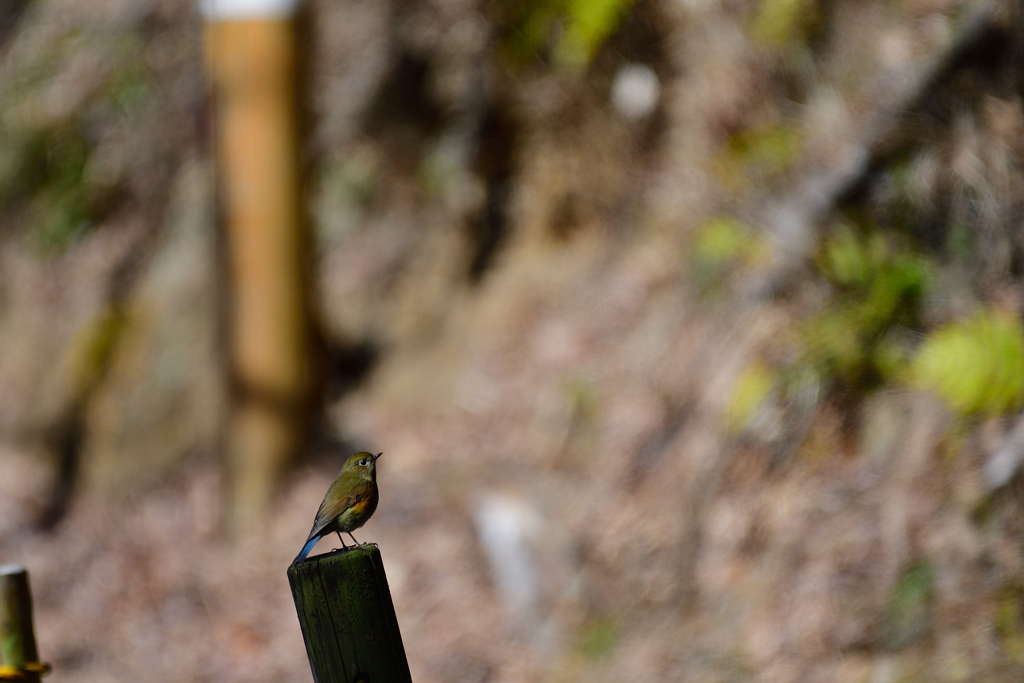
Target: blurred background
[{"x": 690, "y": 331}]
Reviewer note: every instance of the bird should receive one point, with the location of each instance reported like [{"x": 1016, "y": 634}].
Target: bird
[{"x": 348, "y": 503}]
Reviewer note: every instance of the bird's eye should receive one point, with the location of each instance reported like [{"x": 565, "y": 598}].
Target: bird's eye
[{"x": 363, "y": 463}]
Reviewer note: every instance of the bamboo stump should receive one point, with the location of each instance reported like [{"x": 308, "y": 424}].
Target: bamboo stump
[
  {"x": 348, "y": 619},
  {"x": 19, "y": 659}
]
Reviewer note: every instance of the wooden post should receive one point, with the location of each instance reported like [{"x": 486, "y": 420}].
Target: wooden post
[
  {"x": 252, "y": 51},
  {"x": 19, "y": 659},
  {"x": 347, "y": 618}
]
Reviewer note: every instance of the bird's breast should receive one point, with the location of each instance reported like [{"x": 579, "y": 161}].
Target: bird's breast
[{"x": 358, "y": 513}]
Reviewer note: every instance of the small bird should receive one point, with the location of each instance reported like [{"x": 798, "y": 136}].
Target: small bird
[{"x": 348, "y": 503}]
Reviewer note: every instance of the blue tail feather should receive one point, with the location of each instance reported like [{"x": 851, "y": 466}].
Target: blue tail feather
[{"x": 305, "y": 550}]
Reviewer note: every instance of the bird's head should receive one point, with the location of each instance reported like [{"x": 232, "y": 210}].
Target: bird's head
[{"x": 362, "y": 464}]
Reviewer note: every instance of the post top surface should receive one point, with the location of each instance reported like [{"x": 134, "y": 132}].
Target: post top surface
[{"x": 227, "y": 10}]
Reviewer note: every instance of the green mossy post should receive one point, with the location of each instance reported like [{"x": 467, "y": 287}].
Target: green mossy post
[
  {"x": 348, "y": 619},
  {"x": 17, "y": 638}
]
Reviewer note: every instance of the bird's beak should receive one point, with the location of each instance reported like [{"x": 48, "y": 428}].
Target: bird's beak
[{"x": 377, "y": 456}]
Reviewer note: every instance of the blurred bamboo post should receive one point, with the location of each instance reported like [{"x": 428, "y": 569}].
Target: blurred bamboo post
[
  {"x": 348, "y": 619},
  {"x": 19, "y": 659},
  {"x": 252, "y": 60}
]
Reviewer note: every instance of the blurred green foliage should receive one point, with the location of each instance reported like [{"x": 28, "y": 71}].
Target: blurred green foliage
[
  {"x": 44, "y": 161},
  {"x": 759, "y": 152},
  {"x": 877, "y": 291},
  {"x": 581, "y": 396},
  {"x": 582, "y": 402},
  {"x": 570, "y": 31},
  {"x": 599, "y": 637},
  {"x": 590, "y": 23},
  {"x": 780, "y": 23},
  {"x": 1007, "y": 622},
  {"x": 751, "y": 389},
  {"x": 60, "y": 210},
  {"x": 720, "y": 244},
  {"x": 976, "y": 365},
  {"x": 42, "y": 170},
  {"x": 130, "y": 87},
  {"x": 92, "y": 347},
  {"x": 859, "y": 338},
  {"x": 908, "y": 614},
  {"x": 870, "y": 331}
]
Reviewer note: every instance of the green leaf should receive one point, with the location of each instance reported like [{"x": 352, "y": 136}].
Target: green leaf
[
  {"x": 783, "y": 22},
  {"x": 723, "y": 242},
  {"x": 599, "y": 638},
  {"x": 908, "y": 615},
  {"x": 590, "y": 23},
  {"x": 752, "y": 388},
  {"x": 975, "y": 365}
]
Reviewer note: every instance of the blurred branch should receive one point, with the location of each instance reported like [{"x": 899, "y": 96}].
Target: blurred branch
[
  {"x": 791, "y": 221},
  {"x": 10, "y": 14},
  {"x": 1004, "y": 462}
]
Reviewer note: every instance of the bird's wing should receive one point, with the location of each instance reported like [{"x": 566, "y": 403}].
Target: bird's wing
[{"x": 333, "y": 506}]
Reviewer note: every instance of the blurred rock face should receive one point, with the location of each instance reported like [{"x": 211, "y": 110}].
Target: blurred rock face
[
  {"x": 109, "y": 329},
  {"x": 161, "y": 394}
]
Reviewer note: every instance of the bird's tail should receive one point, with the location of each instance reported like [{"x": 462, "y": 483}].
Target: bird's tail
[{"x": 305, "y": 550}]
